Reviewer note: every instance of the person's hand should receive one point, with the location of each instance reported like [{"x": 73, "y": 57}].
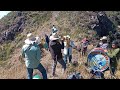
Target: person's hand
[{"x": 105, "y": 51}]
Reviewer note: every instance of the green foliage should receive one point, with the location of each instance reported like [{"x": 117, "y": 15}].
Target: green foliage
[
  {"x": 7, "y": 50},
  {"x": 19, "y": 40}
]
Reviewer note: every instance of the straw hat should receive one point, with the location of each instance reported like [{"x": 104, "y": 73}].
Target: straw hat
[
  {"x": 30, "y": 39},
  {"x": 68, "y": 36},
  {"x": 104, "y": 38}
]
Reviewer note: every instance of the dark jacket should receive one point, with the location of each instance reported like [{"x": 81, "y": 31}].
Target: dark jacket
[{"x": 55, "y": 49}]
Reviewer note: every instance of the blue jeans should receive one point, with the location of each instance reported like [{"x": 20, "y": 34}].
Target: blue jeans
[
  {"x": 61, "y": 61},
  {"x": 40, "y": 68},
  {"x": 67, "y": 56}
]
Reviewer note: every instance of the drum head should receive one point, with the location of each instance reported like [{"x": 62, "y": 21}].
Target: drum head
[{"x": 98, "y": 60}]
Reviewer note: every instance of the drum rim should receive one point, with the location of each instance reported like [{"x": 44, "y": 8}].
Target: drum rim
[{"x": 103, "y": 53}]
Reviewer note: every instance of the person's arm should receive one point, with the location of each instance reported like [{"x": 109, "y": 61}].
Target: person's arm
[
  {"x": 62, "y": 45},
  {"x": 73, "y": 45},
  {"x": 114, "y": 53},
  {"x": 98, "y": 45},
  {"x": 38, "y": 53}
]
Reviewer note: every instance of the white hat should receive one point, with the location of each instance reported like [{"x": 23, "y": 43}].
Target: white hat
[
  {"x": 37, "y": 40},
  {"x": 104, "y": 38},
  {"x": 64, "y": 36},
  {"x": 68, "y": 36},
  {"x": 30, "y": 39},
  {"x": 54, "y": 37}
]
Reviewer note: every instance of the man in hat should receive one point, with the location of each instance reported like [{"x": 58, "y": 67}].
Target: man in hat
[
  {"x": 32, "y": 55},
  {"x": 55, "y": 50},
  {"x": 103, "y": 43}
]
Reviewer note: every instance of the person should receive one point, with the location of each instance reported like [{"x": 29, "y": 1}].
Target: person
[
  {"x": 114, "y": 57},
  {"x": 84, "y": 45},
  {"x": 103, "y": 43},
  {"x": 68, "y": 45},
  {"x": 55, "y": 49},
  {"x": 32, "y": 55}
]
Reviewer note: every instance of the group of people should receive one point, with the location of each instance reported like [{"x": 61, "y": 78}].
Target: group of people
[
  {"x": 113, "y": 51},
  {"x": 55, "y": 44}
]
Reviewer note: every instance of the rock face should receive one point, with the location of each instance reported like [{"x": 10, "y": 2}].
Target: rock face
[
  {"x": 92, "y": 20},
  {"x": 101, "y": 23},
  {"x": 13, "y": 29}
]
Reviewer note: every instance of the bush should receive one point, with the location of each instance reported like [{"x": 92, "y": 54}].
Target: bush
[{"x": 6, "y": 51}]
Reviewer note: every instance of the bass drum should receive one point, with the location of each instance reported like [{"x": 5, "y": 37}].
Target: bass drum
[{"x": 98, "y": 60}]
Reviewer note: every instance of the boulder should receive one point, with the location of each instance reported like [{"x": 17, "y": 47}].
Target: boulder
[{"x": 101, "y": 24}]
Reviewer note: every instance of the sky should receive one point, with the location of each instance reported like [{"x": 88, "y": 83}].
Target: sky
[{"x": 3, "y": 13}]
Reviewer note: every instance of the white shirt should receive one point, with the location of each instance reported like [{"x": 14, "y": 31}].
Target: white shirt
[{"x": 65, "y": 51}]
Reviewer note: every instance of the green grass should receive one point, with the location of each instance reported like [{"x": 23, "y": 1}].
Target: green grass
[{"x": 6, "y": 51}]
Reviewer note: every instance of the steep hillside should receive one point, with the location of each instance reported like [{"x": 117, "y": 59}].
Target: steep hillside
[{"x": 15, "y": 26}]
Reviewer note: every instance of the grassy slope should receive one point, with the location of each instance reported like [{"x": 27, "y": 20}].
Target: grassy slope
[{"x": 39, "y": 23}]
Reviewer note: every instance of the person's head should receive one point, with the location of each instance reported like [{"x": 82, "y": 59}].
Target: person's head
[
  {"x": 104, "y": 39},
  {"x": 68, "y": 37},
  {"x": 31, "y": 39},
  {"x": 45, "y": 35},
  {"x": 37, "y": 40},
  {"x": 114, "y": 44},
  {"x": 54, "y": 37}
]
